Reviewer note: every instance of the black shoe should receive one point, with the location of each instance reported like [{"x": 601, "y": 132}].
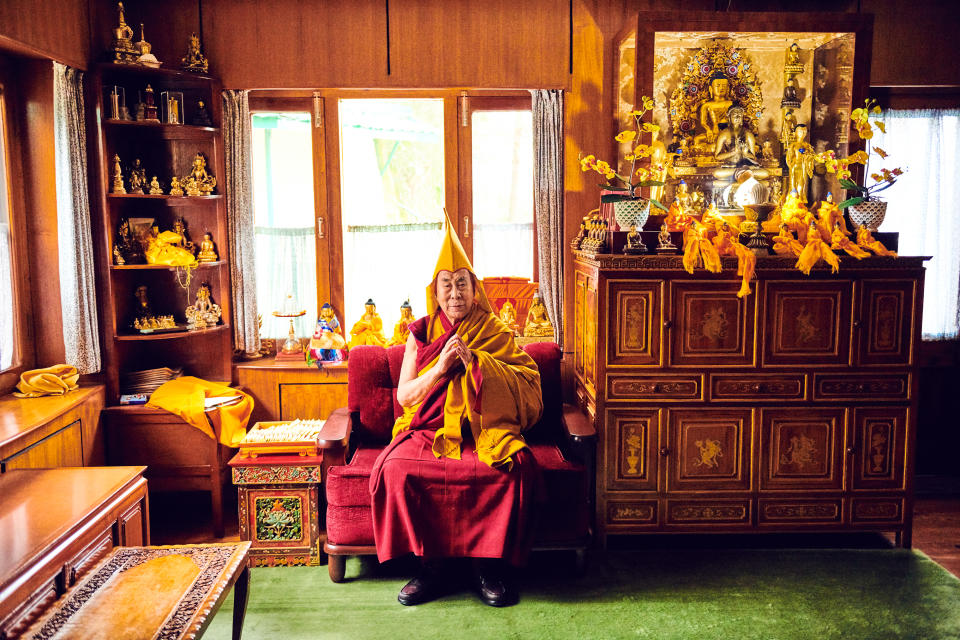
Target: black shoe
[
  {"x": 492, "y": 585},
  {"x": 424, "y": 587}
]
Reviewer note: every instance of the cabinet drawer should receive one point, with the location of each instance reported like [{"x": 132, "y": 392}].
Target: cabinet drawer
[
  {"x": 660, "y": 387},
  {"x": 632, "y": 512},
  {"x": 707, "y": 512},
  {"x": 860, "y": 387},
  {"x": 91, "y": 554},
  {"x": 865, "y": 510},
  {"x": 758, "y": 388},
  {"x": 794, "y": 512}
]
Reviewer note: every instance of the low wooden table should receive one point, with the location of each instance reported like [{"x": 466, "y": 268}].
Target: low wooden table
[
  {"x": 279, "y": 506},
  {"x": 168, "y": 592}
]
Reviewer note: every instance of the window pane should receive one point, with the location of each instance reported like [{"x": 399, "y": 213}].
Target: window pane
[
  {"x": 7, "y": 319},
  {"x": 391, "y": 173},
  {"x": 283, "y": 218},
  {"x": 503, "y": 193}
]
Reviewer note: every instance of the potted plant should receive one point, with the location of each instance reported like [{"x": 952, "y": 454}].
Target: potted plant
[
  {"x": 865, "y": 207},
  {"x": 630, "y": 209}
]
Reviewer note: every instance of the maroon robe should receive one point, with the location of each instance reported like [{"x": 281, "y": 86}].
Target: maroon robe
[{"x": 441, "y": 507}]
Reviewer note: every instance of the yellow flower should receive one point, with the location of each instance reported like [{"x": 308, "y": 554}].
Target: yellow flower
[
  {"x": 880, "y": 152},
  {"x": 844, "y": 173},
  {"x": 649, "y": 127},
  {"x": 881, "y": 126},
  {"x": 643, "y": 173},
  {"x": 877, "y": 110},
  {"x": 587, "y": 163},
  {"x": 625, "y": 136},
  {"x": 860, "y": 157},
  {"x": 647, "y": 102},
  {"x": 641, "y": 151},
  {"x": 876, "y": 176},
  {"x": 629, "y": 157},
  {"x": 859, "y": 115}
]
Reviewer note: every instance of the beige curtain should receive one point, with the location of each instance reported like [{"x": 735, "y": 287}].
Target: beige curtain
[
  {"x": 548, "y": 199},
  {"x": 243, "y": 269},
  {"x": 78, "y": 300}
]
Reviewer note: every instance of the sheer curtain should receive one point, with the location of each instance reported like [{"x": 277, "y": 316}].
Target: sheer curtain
[
  {"x": 243, "y": 274},
  {"x": 924, "y": 202},
  {"x": 78, "y": 300},
  {"x": 548, "y": 200}
]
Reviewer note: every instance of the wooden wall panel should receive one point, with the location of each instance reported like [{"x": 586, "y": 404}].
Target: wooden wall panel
[
  {"x": 915, "y": 43},
  {"x": 495, "y": 43},
  {"x": 297, "y": 43},
  {"x": 55, "y": 29}
]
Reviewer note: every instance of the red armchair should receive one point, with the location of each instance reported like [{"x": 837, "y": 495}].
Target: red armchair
[{"x": 563, "y": 443}]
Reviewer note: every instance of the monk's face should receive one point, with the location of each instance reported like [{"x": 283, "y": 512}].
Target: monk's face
[{"x": 455, "y": 293}]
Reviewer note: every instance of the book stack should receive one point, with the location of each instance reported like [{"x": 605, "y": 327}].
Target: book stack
[{"x": 148, "y": 380}]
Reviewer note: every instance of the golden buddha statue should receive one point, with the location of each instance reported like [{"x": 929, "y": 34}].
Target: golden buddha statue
[
  {"x": 784, "y": 244},
  {"x": 509, "y": 316},
  {"x": 138, "y": 177},
  {"x": 199, "y": 182},
  {"x": 840, "y": 239},
  {"x": 368, "y": 330},
  {"x": 117, "y": 186},
  {"x": 736, "y": 146},
  {"x": 401, "y": 330},
  {"x": 194, "y": 61},
  {"x": 175, "y": 188},
  {"x": 713, "y": 113},
  {"x": 537, "y": 323},
  {"x": 208, "y": 252},
  {"x": 155, "y": 189},
  {"x": 830, "y": 216},
  {"x": 801, "y": 158},
  {"x": 660, "y": 163},
  {"x": 202, "y": 313}
]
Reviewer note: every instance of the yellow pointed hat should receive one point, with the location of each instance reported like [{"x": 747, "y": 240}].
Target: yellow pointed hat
[{"x": 453, "y": 257}]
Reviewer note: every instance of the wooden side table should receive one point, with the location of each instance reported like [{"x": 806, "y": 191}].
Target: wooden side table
[
  {"x": 279, "y": 508},
  {"x": 167, "y": 592}
]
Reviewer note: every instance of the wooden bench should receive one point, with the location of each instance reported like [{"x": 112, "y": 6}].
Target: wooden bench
[{"x": 151, "y": 592}]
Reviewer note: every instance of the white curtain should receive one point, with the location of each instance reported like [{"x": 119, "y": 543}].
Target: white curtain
[
  {"x": 78, "y": 301},
  {"x": 238, "y": 144},
  {"x": 924, "y": 202},
  {"x": 547, "y": 107}
]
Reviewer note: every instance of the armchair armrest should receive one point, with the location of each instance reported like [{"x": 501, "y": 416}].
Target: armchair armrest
[
  {"x": 576, "y": 424},
  {"x": 334, "y": 438}
]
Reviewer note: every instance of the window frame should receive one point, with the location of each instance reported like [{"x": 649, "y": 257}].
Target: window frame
[
  {"x": 323, "y": 105},
  {"x": 10, "y": 114}
]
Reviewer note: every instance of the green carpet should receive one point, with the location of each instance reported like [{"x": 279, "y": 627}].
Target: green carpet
[{"x": 766, "y": 594}]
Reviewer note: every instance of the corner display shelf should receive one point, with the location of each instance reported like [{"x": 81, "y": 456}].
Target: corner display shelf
[{"x": 165, "y": 150}]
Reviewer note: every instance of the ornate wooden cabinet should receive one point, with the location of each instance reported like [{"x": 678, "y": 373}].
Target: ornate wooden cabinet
[{"x": 791, "y": 409}]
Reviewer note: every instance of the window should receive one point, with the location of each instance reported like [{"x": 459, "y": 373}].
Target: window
[
  {"x": 350, "y": 188},
  {"x": 283, "y": 218},
  {"x": 922, "y": 205},
  {"x": 8, "y": 321}
]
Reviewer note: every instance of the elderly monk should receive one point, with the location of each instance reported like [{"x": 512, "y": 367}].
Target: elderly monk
[{"x": 458, "y": 479}]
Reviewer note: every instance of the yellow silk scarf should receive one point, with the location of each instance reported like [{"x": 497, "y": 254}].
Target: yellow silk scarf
[
  {"x": 185, "y": 397},
  {"x": 510, "y": 400}
]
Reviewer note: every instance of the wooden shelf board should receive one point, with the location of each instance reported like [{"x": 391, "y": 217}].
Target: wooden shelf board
[
  {"x": 135, "y": 267},
  {"x": 171, "y": 335}
]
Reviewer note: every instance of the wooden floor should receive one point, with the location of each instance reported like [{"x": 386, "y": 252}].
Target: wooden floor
[{"x": 185, "y": 518}]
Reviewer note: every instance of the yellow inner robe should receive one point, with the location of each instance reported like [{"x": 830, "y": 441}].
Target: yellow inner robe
[{"x": 510, "y": 401}]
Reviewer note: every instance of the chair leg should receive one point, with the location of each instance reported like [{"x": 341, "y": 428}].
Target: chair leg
[
  {"x": 336, "y": 567},
  {"x": 580, "y": 561}
]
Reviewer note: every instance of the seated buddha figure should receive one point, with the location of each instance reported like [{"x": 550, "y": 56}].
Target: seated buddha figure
[
  {"x": 713, "y": 113},
  {"x": 537, "y": 324},
  {"x": 368, "y": 330},
  {"x": 401, "y": 329},
  {"x": 509, "y": 316},
  {"x": 737, "y": 148}
]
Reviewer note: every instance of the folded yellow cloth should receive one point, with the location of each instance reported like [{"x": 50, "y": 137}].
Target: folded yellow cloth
[
  {"x": 186, "y": 396},
  {"x": 55, "y": 380}
]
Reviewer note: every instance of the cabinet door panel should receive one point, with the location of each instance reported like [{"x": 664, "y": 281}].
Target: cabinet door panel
[
  {"x": 802, "y": 449},
  {"x": 886, "y": 322},
  {"x": 579, "y": 308},
  {"x": 634, "y": 323},
  {"x": 59, "y": 449},
  {"x": 710, "y": 325},
  {"x": 311, "y": 401},
  {"x": 709, "y": 449},
  {"x": 879, "y": 447},
  {"x": 632, "y": 459},
  {"x": 807, "y": 323},
  {"x": 132, "y": 526}
]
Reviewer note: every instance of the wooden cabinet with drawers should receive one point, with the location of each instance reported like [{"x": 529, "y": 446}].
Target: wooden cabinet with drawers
[{"x": 791, "y": 409}]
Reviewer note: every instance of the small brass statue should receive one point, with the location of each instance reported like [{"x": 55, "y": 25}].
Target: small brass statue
[
  {"x": 800, "y": 158},
  {"x": 537, "y": 324},
  {"x": 155, "y": 189},
  {"x": 146, "y": 58},
  {"x": 138, "y": 177},
  {"x": 634, "y": 242},
  {"x": 665, "y": 244},
  {"x": 203, "y": 313},
  {"x": 180, "y": 228},
  {"x": 401, "y": 330},
  {"x": 201, "y": 117},
  {"x": 126, "y": 249},
  {"x": 122, "y": 46},
  {"x": 151, "y": 324},
  {"x": 368, "y": 330},
  {"x": 194, "y": 61},
  {"x": 117, "y": 186},
  {"x": 509, "y": 316},
  {"x": 208, "y": 251},
  {"x": 199, "y": 182},
  {"x": 175, "y": 189}
]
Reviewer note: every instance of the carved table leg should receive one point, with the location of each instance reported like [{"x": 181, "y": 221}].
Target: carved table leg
[{"x": 241, "y": 591}]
